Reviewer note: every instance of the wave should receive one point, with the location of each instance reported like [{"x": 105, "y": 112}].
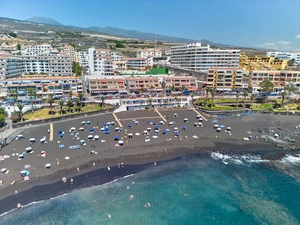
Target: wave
[
  {"x": 237, "y": 159},
  {"x": 291, "y": 159}
]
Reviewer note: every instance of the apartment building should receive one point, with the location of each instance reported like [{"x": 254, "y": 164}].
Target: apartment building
[
  {"x": 100, "y": 62},
  {"x": 106, "y": 85},
  {"x": 83, "y": 58},
  {"x": 145, "y": 53},
  {"x": 202, "y": 58},
  {"x": 116, "y": 56},
  {"x": 226, "y": 79},
  {"x": 262, "y": 63},
  {"x": 10, "y": 66},
  {"x": 59, "y": 86},
  {"x": 180, "y": 83},
  {"x": 286, "y": 56},
  {"x": 139, "y": 63},
  {"x": 70, "y": 52},
  {"x": 142, "y": 84},
  {"x": 36, "y": 50},
  {"x": 279, "y": 78}
]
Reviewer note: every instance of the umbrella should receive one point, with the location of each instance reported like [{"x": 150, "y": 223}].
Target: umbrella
[
  {"x": 24, "y": 173},
  {"x": 92, "y": 129},
  {"x": 28, "y": 150},
  {"x": 60, "y": 131},
  {"x": 108, "y": 124},
  {"x": 21, "y": 156},
  {"x": 200, "y": 119},
  {"x": 82, "y": 141},
  {"x": 156, "y": 127},
  {"x": 120, "y": 142},
  {"x": 185, "y": 120},
  {"x": 172, "y": 123},
  {"x": 145, "y": 132},
  {"x": 176, "y": 133},
  {"x": 136, "y": 122},
  {"x": 61, "y": 135},
  {"x": 112, "y": 123},
  {"x": 102, "y": 129},
  {"x": 149, "y": 128},
  {"x": 216, "y": 126},
  {"x": 72, "y": 129},
  {"x": 154, "y": 123},
  {"x": 3, "y": 170},
  {"x": 83, "y": 123},
  {"x": 48, "y": 166},
  {"x": 81, "y": 129},
  {"x": 96, "y": 137},
  {"x": 90, "y": 136},
  {"x": 107, "y": 132},
  {"x": 183, "y": 127},
  {"x": 214, "y": 121},
  {"x": 130, "y": 135},
  {"x": 228, "y": 128},
  {"x": 116, "y": 138},
  {"x": 164, "y": 132},
  {"x": 20, "y": 136},
  {"x": 104, "y": 124},
  {"x": 175, "y": 128},
  {"x": 129, "y": 125},
  {"x": 88, "y": 122},
  {"x": 106, "y": 129},
  {"x": 198, "y": 116},
  {"x": 175, "y": 115},
  {"x": 148, "y": 121},
  {"x": 156, "y": 131},
  {"x": 161, "y": 122},
  {"x": 117, "y": 129},
  {"x": 32, "y": 140},
  {"x": 219, "y": 129}
]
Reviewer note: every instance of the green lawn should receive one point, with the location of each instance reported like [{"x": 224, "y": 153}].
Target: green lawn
[{"x": 44, "y": 113}]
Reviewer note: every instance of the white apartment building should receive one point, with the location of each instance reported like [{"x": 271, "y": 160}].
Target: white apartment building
[
  {"x": 83, "y": 58},
  {"x": 10, "y": 66},
  {"x": 286, "y": 55},
  {"x": 139, "y": 63},
  {"x": 116, "y": 56},
  {"x": 70, "y": 52},
  {"x": 100, "y": 62},
  {"x": 201, "y": 58},
  {"x": 145, "y": 53},
  {"x": 34, "y": 50}
]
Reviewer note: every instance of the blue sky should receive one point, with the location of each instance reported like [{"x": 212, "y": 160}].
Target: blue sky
[{"x": 272, "y": 24}]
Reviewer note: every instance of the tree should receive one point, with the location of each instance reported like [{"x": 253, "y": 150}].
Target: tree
[
  {"x": 283, "y": 94},
  {"x": 213, "y": 93},
  {"x": 2, "y": 119},
  {"x": 143, "y": 90},
  {"x": 182, "y": 88},
  {"x": 15, "y": 95},
  {"x": 252, "y": 97},
  {"x": 18, "y": 46},
  {"x": 192, "y": 95},
  {"x": 77, "y": 69},
  {"x": 20, "y": 107},
  {"x": 150, "y": 102},
  {"x": 12, "y": 34},
  {"x": 102, "y": 101},
  {"x": 31, "y": 92},
  {"x": 70, "y": 105},
  {"x": 70, "y": 94},
  {"x": 50, "y": 101},
  {"x": 207, "y": 90},
  {"x": 290, "y": 88},
  {"x": 77, "y": 104},
  {"x": 291, "y": 62},
  {"x": 236, "y": 99},
  {"x": 151, "y": 87},
  {"x": 80, "y": 97},
  {"x": 245, "y": 94},
  {"x": 266, "y": 86},
  {"x": 165, "y": 102},
  {"x": 61, "y": 104},
  {"x": 163, "y": 86},
  {"x": 172, "y": 87}
]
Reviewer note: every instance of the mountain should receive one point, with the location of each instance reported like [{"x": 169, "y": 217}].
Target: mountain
[
  {"x": 137, "y": 34},
  {"x": 44, "y": 20}
]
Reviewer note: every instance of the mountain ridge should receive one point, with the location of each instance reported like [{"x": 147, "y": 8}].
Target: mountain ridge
[{"x": 44, "y": 20}]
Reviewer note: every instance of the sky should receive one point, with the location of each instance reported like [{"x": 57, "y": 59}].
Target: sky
[{"x": 269, "y": 24}]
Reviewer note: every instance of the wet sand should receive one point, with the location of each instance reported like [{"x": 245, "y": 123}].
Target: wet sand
[{"x": 136, "y": 154}]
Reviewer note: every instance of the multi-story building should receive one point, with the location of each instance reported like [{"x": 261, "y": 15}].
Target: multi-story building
[
  {"x": 139, "y": 63},
  {"x": 202, "y": 58},
  {"x": 70, "y": 52},
  {"x": 180, "y": 83},
  {"x": 286, "y": 56},
  {"x": 145, "y": 53},
  {"x": 83, "y": 58},
  {"x": 54, "y": 65},
  {"x": 59, "y": 86},
  {"x": 35, "y": 50},
  {"x": 106, "y": 85},
  {"x": 279, "y": 78},
  {"x": 116, "y": 56},
  {"x": 142, "y": 84},
  {"x": 100, "y": 62},
  {"x": 226, "y": 79},
  {"x": 10, "y": 66}
]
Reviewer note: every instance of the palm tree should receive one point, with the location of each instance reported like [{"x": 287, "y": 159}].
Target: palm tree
[
  {"x": 77, "y": 104},
  {"x": 192, "y": 95},
  {"x": 70, "y": 95},
  {"x": 165, "y": 103},
  {"x": 290, "y": 88},
  {"x": 80, "y": 97},
  {"x": 143, "y": 90},
  {"x": 70, "y": 105},
  {"x": 245, "y": 94},
  {"x": 20, "y": 107},
  {"x": 151, "y": 87},
  {"x": 163, "y": 86},
  {"x": 172, "y": 87},
  {"x": 61, "y": 104},
  {"x": 283, "y": 94},
  {"x": 213, "y": 93},
  {"x": 207, "y": 90},
  {"x": 31, "y": 92},
  {"x": 50, "y": 101},
  {"x": 150, "y": 102},
  {"x": 15, "y": 95},
  {"x": 252, "y": 97},
  {"x": 102, "y": 101},
  {"x": 236, "y": 99}
]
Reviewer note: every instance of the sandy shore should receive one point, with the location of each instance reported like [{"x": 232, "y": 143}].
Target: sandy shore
[{"x": 136, "y": 155}]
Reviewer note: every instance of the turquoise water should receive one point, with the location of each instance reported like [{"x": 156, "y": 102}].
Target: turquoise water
[{"x": 203, "y": 189}]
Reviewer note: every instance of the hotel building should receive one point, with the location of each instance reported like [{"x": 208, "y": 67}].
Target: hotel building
[
  {"x": 100, "y": 62},
  {"x": 70, "y": 52},
  {"x": 10, "y": 66},
  {"x": 202, "y": 58},
  {"x": 143, "y": 84},
  {"x": 145, "y": 53},
  {"x": 35, "y": 50},
  {"x": 139, "y": 63},
  {"x": 181, "y": 82},
  {"x": 286, "y": 55},
  {"x": 106, "y": 85}
]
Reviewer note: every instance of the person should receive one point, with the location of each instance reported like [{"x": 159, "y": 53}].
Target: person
[
  {"x": 94, "y": 165},
  {"x": 64, "y": 179},
  {"x": 71, "y": 181},
  {"x": 48, "y": 131},
  {"x": 78, "y": 169}
]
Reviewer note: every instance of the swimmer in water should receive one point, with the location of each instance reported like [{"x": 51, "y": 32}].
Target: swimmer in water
[{"x": 108, "y": 168}]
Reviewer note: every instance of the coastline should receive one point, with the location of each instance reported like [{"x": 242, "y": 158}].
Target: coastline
[{"x": 51, "y": 186}]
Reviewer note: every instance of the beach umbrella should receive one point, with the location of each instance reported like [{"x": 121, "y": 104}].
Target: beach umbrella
[
  {"x": 214, "y": 121},
  {"x": 148, "y": 121},
  {"x": 92, "y": 130},
  {"x": 81, "y": 129},
  {"x": 164, "y": 132},
  {"x": 20, "y": 136},
  {"x": 200, "y": 119},
  {"x": 172, "y": 123},
  {"x": 83, "y": 123},
  {"x": 120, "y": 142},
  {"x": 102, "y": 129},
  {"x": 145, "y": 132},
  {"x": 216, "y": 126},
  {"x": 60, "y": 131},
  {"x": 156, "y": 131},
  {"x": 198, "y": 116},
  {"x": 90, "y": 136},
  {"x": 149, "y": 128},
  {"x": 72, "y": 129},
  {"x": 116, "y": 138},
  {"x": 48, "y": 166},
  {"x": 185, "y": 120},
  {"x": 104, "y": 124},
  {"x": 112, "y": 123},
  {"x": 168, "y": 130},
  {"x": 43, "y": 140},
  {"x": 32, "y": 140},
  {"x": 24, "y": 173},
  {"x": 28, "y": 149},
  {"x": 175, "y": 128},
  {"x": 176, "y": 133},
  {"x": 130, "y": 135},
  {"x": 21, "y": 156},
  {"x": 175, "y": 115},
  {"x": 161, "y": 122},
  {"x": 106, "y": 128},
  {"x": 183, "y": 127},
  {"x": 222, "y": 126},
  {"x": 61, "y": 135},
  {"x": 81, "y": 141},
  {"x": 219, "y": 129},
  {"x": 129, "y": 125},
  {"x": 88, "y": 122},
  {"x": 195, "y": 124},
  {"x": 228, "y": 128},
  {"x": 3, "y": 170},
  {"x": 96, "y": 137},
  {"x": 156, "y": 127},
  {"x": 154, "y": 123},
  {"x": 107, "y": 132},
  {"x": 136, "y": 122},
  {"x": 108, "y": 124},
  {"x": 117, "y": 129}
]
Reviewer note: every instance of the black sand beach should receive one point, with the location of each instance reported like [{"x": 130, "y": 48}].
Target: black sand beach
[{"x": 136, "y": 154}]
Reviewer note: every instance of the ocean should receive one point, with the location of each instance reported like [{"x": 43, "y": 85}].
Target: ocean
[{"x": 207, "y": 188}]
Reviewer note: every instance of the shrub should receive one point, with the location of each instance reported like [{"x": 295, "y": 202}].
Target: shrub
[
  {"x": 51, "y": 112},
  {"x": 298, "y": 107}
]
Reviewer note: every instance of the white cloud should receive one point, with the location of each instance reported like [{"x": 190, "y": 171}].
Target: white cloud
[
  {"x": 297, "y": 36},
  {"x": 279, "y": 45}
]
